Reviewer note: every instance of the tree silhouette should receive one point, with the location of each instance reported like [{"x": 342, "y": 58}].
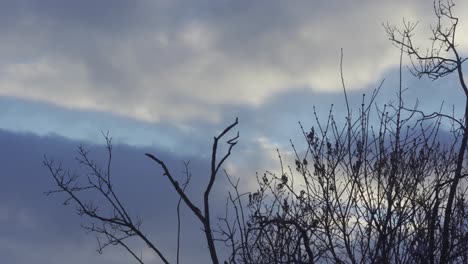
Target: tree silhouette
[
  {"x": 116, "y": 225},
  {"x": 365, "y": 192},
  {"x": 440, "y": 60}
]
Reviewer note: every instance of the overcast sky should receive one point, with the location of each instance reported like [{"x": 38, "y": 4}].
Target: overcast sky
[{"x": 165, "y": 76}]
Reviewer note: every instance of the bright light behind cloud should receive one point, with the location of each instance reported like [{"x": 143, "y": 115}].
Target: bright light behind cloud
[{"x": 178, "y": 61}]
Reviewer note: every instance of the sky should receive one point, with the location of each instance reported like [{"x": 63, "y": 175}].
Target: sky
[{"x": 165, "y": 76}]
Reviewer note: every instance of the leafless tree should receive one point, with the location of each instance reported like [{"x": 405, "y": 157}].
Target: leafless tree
[
  {"x": 392, "y": 191},
  {"x": 359, "y": 194},
  {"x": 110, "y": 219},
  {"x": 440, "y": 60}
]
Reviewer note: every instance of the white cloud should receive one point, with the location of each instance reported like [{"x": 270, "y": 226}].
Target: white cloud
[{"x": 177, "y": 61}]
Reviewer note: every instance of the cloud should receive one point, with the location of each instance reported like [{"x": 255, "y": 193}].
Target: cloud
[
  {"x": 41, "y": 228},
  {"x": 172, "y": 60}
]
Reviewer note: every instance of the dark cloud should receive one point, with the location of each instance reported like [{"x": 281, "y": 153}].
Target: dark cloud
[
  {"x": 142, "y": 59},
  {"x": 40, "y": 227},
  {"x": 108, "y": 15}
]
